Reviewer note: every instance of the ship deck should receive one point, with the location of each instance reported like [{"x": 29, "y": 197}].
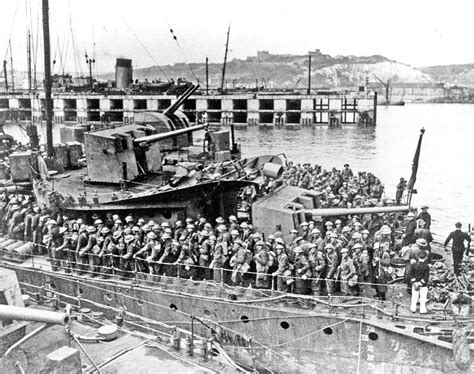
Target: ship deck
[
  {"x": 82, "y": 194},
  {"x": 130, "y": 352}
]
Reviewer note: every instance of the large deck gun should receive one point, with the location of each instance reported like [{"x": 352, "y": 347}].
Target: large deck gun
[{"x": 174, "y": 107}]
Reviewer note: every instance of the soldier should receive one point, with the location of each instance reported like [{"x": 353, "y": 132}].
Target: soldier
[
  {"x": 178, "y": 230},
  {"x": 410, "y": 229},
  {"x": 14, "y": 229},
  {"x": 401, "y": 187},
  {"x": 458, "y": 237},
  {"x": 144, "y": 252},
  {"x": 425, "y": 216},
  {"x": 347, "y": 271},
  {"x": 217, "y": 262},
  {"x": 302, "y": 271},
  {"x": 56, "y": 245},
  {"x": 283, "y": 272},
  {"x": 90, "y": 252},
  {"x": 318, "y": 267},
  {"x": 164, "y": 254},
  {"x": 82, "y": 241},
  {"x": 304, "y": 233},
  {"x": 240, "y": 262},
  {"x": 171, "y": 254},
  {"x": 234, "y": 236},
  {"x": 233, "y": 225},
  {"x": 128, "y": 264},
  {"x": 129, "y": 223},
  {"x": 36, "y": 230},
  {"x": 316, "y": 239},
  {"x": 382, "y": 279},
  {"x": 331, "y": 266},
  {"x": 109, "y": 254},
  {"x": 347, "y": 172},
  {"x": 28, "y": 223},
  {"x": 278, "y": 233},
  {"x": 187, "y": 259},
  {"x": 263, "y": 261},
  {"x": 204, "y": 260},
  {"x": 423, "y": 233}
]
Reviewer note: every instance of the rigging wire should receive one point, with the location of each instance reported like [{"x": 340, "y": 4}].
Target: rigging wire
[
  {"x": 182, "y": 52},
  {"x": 145, "y": 48},
  {"x": 96, "y": 70},
  {"x": 11, "y": 29}
]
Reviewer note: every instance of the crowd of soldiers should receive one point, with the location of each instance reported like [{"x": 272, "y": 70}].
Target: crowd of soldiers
[
  {"x": 340, "y": 188},
  {"x": 347, "y": 256}
]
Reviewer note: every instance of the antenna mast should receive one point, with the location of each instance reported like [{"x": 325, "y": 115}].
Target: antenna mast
[
  {"x": 225, "y": 59},
  {"x": 28, "y": 56},
  {"x": 47, "y": 79},
  {"x": 11, "y": 67}
]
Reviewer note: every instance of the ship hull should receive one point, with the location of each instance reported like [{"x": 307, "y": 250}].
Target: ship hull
[{"x": 269, "y": 334}]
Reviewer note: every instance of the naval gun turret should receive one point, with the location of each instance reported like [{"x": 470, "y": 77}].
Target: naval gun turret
[{"x": 137, "y": 150}]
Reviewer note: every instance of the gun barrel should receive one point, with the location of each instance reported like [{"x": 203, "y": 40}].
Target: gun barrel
[
  {"x": 331, "y": 212},
  {"x": 36, "y": 315},
  {"x": 166, "y": 135},
  {"x": 173, "y": 107}
]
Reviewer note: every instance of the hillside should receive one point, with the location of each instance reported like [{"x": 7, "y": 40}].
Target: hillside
[
  {"x": 291, "y": 71},
  {"x": 462, "y": 75}
]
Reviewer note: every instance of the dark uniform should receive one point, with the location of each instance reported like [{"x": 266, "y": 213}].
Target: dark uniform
[{"x": 458, "y": 237}]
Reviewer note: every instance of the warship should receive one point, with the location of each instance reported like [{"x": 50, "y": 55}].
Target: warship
[{"x": 257, "y": 330}]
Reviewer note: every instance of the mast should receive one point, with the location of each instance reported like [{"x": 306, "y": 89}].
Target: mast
[
  {"x": 387, "y": 92},
  {"x": 225, "y": 59},
  {"x": 47, "y": 79},
  {"x": 207, "y": 76},
  {"x": 5, "y": 74},
  {"x": 309, "y": 76},
  {"x": 11, "y": 64},
  {"x": 28, "y": 57}
]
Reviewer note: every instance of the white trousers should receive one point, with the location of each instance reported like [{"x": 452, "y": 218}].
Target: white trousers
[{"x": 421, "y": 294}]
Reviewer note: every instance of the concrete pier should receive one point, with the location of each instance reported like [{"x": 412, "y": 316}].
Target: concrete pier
[{"x": 246, "y": 109}]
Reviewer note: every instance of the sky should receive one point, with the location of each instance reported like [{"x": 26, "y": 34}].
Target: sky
[{"x": 416, "y": 32}]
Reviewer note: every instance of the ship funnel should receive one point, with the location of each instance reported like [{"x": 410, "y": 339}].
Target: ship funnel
[{"x": 123, "y": 72}]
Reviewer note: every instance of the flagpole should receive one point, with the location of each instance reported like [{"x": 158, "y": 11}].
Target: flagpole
[{"x": 416, "y": 159}]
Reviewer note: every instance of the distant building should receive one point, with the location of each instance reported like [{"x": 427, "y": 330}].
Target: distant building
[{"x": 315, "y": 53}]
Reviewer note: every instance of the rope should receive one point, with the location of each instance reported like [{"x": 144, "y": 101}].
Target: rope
[
  {"x": 182, "y": 52},
  {"x": 11, "y": 29},
  {"x": 145, "y": 48}
]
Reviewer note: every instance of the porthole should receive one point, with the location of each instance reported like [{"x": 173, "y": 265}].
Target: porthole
[
  {"x": 328, "y": 331},
  {"x": 140, "y": 302},
  {"x": 108, "y": 296},
  {"x": 284, "y": 325},
  {"x": 207, "y": 312},
  {"x": 173, "y": 306},
  {"x": 373, "y": 336},
  {"x": 245, "y": 319}
]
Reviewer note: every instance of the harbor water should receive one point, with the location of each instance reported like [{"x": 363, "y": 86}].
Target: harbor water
[{"x": 445, "y": 178}]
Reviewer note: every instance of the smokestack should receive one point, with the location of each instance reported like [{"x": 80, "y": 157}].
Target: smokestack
[{"x": 123, "y": 72}]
